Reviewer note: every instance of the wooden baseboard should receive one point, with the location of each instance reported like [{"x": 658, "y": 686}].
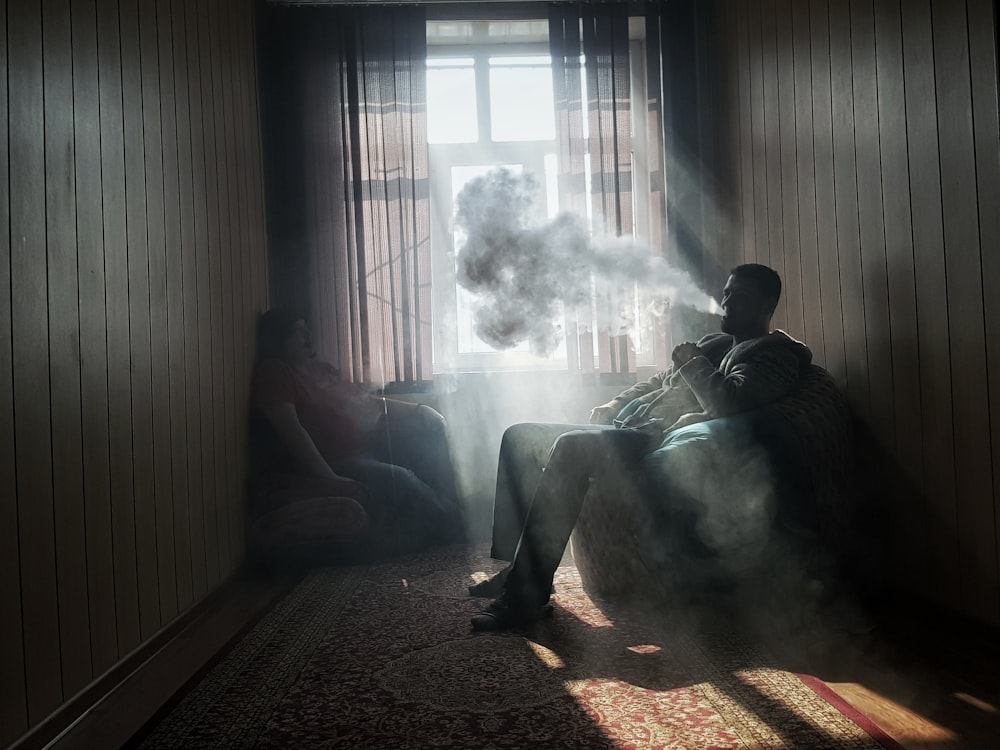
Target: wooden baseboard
[{"x": 110, "y": 711}]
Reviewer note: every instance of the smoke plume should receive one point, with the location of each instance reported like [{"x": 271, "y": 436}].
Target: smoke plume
[{"x": 524, "y": 273}]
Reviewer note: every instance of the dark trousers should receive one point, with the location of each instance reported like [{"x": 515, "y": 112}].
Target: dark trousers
[
  {"x": 411, "y": 473},
  {"x": 544, "y": 489}
]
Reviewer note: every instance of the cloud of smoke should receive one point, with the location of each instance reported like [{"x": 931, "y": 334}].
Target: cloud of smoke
[{"x": 525, "y": 272}]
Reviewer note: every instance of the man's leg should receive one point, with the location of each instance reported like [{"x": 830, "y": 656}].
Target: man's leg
[
  {"x": 524, "y": 450},
  {"x": 555, "y": 506}
]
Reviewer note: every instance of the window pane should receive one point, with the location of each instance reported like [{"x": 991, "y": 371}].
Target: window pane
[
  {"x": 451, "y": 103},
  {"x": 521, "y": 100}
]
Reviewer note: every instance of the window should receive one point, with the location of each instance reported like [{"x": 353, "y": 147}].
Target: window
[{"x": 489, "y": 104}]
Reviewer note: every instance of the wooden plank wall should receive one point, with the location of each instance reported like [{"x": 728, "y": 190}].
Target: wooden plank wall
[
  {"x": 865, "y": 164},
  {"x": 132, "y": 267}
]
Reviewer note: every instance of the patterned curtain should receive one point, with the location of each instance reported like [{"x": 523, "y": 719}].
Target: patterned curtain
[
  {"x": 592, "y": 81},
  {"x": 349, "y": 151}
]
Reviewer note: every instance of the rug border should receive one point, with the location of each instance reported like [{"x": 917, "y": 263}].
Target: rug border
[{"x": 828, "y": 694}]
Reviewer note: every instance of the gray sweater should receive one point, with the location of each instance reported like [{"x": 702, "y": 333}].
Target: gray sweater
[{"x": 727, "y": 380}]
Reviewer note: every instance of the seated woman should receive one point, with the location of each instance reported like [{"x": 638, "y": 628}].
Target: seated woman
[{"x": 385, "y": 462}]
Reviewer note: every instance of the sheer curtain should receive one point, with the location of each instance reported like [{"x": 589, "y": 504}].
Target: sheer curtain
[
  {"x": 592, "y": 88},
  {"x": 345, "y": 129}
]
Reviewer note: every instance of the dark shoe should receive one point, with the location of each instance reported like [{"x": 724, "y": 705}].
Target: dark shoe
[
  {"x": 491, "y": 587},
  {"x": 507, "y": 614}
]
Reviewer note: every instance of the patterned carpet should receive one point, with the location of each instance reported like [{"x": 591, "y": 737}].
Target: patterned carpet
[{"x": 382, "y": 656}]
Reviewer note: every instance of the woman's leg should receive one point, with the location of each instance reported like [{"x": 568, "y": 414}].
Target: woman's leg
[{"x": 417, "y": 516}]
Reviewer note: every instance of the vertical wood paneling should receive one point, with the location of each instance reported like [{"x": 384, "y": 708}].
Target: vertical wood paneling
[
  {"x": 871, "y": 221},
  {"x": 242, "y": 319},
  {"x": 171, "y": 137},
  {"x": 845, "y": 175},
  {"x": 746, "y": 134},
  {"x": 967, "y": 345},
  {"x": 132, "y": 266},
  {"x": 221, "y": 98},
  {"x": 986, "y": 122},
  {"x": 791, "y": 272},
  {"x": 93, "y": 339},
  {"x": 909, "y": 514},
  {"x": 835, "y": 358},
  {"x": 729, "y": 207},
  {"x": 932, "y": 313},
  {"x": 126, "y": 585},
  {"x": 806, "y": 180},
  {"x": 199, "y": 414},
  {"x": 140, "y": 345},
  {"x": 30, "y": 358},
  {"x": 772, "y": 148},
  {"x": 758, "y": 136},
  {"x": 153, "y": 169},
  {"x": 212, "y": 303},
  {"x": 896, "y": 144},
  {"x": 64, "y": 347},
  {"x": 13, "y": 699}
]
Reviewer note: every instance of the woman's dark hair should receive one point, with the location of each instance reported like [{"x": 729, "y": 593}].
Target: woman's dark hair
[
  {"x": 273, "y": 328},
  {"x": 767, "y": 279}
]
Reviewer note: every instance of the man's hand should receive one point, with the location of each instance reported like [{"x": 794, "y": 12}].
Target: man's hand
[
  {"x": 603, "y": 414},
  {"x": 684, "y": 353}
]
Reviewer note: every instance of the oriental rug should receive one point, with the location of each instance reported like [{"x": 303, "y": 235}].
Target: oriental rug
[{"x": 382, "y": 657}]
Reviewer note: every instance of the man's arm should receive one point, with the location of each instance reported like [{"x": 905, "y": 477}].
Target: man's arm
[
  {"x": 769, "y": 375},
  {"x": 604, "y": 413}
]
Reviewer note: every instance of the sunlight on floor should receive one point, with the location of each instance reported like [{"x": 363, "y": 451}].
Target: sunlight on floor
[
  {"x": 547, "y": 656},
  {"x": 905, "y": 726},
  {"x": 976, "y": 703}
]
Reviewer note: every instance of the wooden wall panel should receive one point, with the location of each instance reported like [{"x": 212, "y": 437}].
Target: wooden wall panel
[
  {"x": 30, "y": 358},
  {"x": 133, "y": 267},
  {"x": 200, "y": 488},
  {"x": 807, "y": 241},
  {"x": 64, "y": 347},
  {"x": 13, "y": 698},
  {"x": 116, "y": 315},
  {"x": 910, "y": 520},
  {"x": 213, "y": 430},
  {"x": 93, "y": 340},
  {"x": 140, "y": 337},
  {"x": 977, "y": 550},
  {"x": 761, "y": 253},
  {"x": 160, "y": 374},
  {"x": 931, "y": 293},
  {"x": 893, "y": 133},
  {"x": 223, "y": 125},
  {"x": 742, "y": 73},
  {"x": 870, "y": 211},
  {"x": 831, "y": 307},
  {"x": 176, "y": 513},
  {"x": 184, "y": 308},
  {"x": 791, "y": 272},
  {"x": 983, "y": 24},
  {"x": 845, "y": 176},
  {"x": 774, "y": 255}
]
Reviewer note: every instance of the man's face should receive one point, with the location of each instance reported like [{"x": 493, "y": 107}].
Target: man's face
[{"x": 744, "y": 308}]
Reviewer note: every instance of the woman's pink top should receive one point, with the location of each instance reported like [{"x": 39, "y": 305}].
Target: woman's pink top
[{"x": 339, "y": 416}]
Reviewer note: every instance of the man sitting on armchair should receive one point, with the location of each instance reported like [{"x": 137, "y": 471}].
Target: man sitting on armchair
[{"x": 744, "y": 367}]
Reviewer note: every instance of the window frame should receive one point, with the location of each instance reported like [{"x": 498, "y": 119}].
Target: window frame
[{"x": 442, "y": 159}]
